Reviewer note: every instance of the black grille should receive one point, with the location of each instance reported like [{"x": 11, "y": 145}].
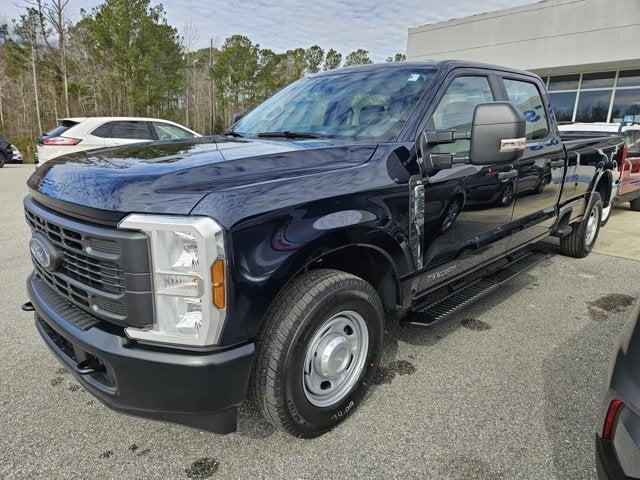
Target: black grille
[
  {"x": 76, "y": 264},
  {"x": 108, "y": 277}
]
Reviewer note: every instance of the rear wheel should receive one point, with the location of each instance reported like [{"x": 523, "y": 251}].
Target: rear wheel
[
  {"x": 635, "y": 204},
  {"x": 318, "y": 351},
  {"x": 583, "y": 236}
]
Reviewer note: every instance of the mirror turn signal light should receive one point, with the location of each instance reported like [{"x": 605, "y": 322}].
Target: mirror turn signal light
[{"x": 217, "y": 283}]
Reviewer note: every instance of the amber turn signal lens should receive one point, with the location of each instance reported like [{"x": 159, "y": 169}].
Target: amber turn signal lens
[{"x": 217, "y": 283}]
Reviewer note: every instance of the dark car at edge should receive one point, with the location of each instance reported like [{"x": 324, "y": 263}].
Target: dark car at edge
[{"x": 618, "y": 439}]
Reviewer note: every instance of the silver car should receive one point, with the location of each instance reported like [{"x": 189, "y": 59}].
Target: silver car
[{"x": 618, "y": 443}]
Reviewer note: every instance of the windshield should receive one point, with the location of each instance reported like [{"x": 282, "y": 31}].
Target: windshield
[{"x": 359, "y": 105}]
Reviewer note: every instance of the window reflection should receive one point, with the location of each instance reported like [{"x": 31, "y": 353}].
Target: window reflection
[
  {"x": 593, "y": 106},
  {"x": 626, "y": 102},
  {"x": 564, "y": 82},
  {"x": 598, "y": 80},
  {"x": 629, "y": 78},
  {"x": 563, "y": 104}
]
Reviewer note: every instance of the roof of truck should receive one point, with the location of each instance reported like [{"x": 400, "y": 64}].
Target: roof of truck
[
  {"x": 439, "y": 64},
  {"x": 596, "y": 127}
]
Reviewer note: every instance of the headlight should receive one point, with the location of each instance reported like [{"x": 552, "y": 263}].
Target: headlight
[{"x": 188, "y": 271}]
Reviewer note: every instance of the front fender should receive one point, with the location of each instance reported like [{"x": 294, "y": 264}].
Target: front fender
[{"x": 268, "y": 255}]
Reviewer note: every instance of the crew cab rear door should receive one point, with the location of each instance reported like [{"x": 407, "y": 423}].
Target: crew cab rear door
[{"x": 541, "y": 169}]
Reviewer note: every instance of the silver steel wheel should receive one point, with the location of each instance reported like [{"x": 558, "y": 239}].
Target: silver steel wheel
[
  {"x": 592, "y": 225},
  {"x": 335, "y": 358}
]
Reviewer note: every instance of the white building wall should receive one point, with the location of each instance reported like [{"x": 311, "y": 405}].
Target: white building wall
[{"x": 548, "y": 37}]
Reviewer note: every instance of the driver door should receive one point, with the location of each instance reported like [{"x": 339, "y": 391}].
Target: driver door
[{"x": 467, "y": 207}]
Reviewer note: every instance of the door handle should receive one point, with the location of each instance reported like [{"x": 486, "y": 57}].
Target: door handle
[
  {"x": 507, "y": 175},
  {"x": 557, "y": 163}
]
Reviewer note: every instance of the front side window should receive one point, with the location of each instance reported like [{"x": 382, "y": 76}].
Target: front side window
[
  {"x": 361, "y": 105},
  {"x": 455, "y": 110},
  {"x": 166, "y": 131},
  {"x": 526, "y": 97},
  {"x": 131, "y": 130}
]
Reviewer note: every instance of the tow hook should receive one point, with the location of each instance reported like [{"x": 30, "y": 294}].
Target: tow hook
[
  {"x": 27, "y": 307},
  {"x": 89, "y": 366}
]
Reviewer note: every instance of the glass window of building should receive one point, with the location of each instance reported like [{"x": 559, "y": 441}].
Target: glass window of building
[
  {"x": 563, "y": 104},
  {"x": 593, "y": 106},
  {"x": 629, "y": 78},
  {"x": 564, "y": 82},
  {"x": 625, "y": 103},
  {"x": 598, "y": 80}
]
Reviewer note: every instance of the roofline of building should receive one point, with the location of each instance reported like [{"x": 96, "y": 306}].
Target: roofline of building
[{"x": 539, "y": 5}]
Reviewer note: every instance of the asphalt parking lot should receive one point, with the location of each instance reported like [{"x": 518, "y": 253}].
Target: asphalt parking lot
[{"x": 509, "y": 389}]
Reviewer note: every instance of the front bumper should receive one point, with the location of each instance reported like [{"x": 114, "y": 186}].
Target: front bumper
[{"x": 201, "y": 390}]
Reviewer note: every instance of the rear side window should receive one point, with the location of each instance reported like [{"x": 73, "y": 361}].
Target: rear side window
[
  {"x": 166, "y": 131},
  {"x": 60, "y": 129},
  {"x": 103, "y": 131},
  {"x": 527, "y": 98},
  {"x": 128, "y": 130}
]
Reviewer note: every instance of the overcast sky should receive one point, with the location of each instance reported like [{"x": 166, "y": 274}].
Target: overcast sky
[{"x": 380, "y": 27}]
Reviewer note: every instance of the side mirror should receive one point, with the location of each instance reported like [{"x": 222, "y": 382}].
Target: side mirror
[{"x": 498, "y": 134}]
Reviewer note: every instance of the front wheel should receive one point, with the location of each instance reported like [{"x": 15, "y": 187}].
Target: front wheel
[
  {"x": 583, "y": 236},
  {"x": 319, "y": 349}
]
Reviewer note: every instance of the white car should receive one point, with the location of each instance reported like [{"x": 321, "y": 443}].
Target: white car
[
  {"x": 80, "y": 134},
  {"x": 17, "y": 156}
]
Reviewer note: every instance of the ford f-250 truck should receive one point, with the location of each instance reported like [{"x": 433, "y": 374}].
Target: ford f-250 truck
[{"x": 174, "y": 279}]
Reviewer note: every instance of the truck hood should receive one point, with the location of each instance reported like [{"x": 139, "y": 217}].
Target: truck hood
[{"x": 172, "y": 177}]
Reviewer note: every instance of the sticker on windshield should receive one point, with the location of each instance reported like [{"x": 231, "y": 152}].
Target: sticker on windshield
[{"x": 413, "y": 77}]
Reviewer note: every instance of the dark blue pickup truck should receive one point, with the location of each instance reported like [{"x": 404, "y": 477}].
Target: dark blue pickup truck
[{"x": 173, "y": 279}]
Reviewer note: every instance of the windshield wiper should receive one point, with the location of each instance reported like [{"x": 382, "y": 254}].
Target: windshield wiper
[
  {"x": 232, "y": 133},
  {"x": 289, "y": 134}
]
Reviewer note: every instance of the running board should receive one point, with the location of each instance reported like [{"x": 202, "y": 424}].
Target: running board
[{"x": 460, "y": 298}]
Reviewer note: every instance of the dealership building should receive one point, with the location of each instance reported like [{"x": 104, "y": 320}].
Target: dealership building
[{"x": 587, "y": 51}]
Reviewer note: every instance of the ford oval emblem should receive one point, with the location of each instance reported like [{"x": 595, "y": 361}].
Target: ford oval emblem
[{"x": 40, "y": 252}]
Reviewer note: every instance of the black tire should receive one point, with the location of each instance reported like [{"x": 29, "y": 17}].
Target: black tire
[
  {"x": 506, "y": 196},
  {"x": 543, "y": 184},
  {"x": 575, "y": 244},
  {"x": 450, "y": 214},
  {"x": 277, "y": 384},
  {"x": 635, "y": 205}
]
